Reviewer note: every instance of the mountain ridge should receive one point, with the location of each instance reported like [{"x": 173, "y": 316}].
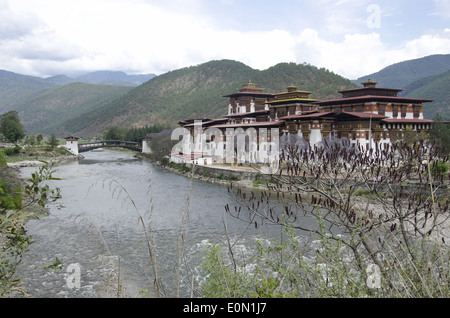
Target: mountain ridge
[
  {"x": 63, "y": 105},
  {"x": 400, "y": 75},
  {"x": 196, "y": 92}
]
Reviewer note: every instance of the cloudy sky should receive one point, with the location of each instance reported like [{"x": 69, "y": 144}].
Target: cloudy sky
[{"x": 352, "y": 38}]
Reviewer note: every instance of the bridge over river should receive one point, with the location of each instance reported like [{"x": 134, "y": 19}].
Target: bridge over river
[{"x": 135, "y": 146}]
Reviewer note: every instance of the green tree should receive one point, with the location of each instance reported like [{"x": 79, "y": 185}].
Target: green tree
[
  {"x": 53, "y": 141},
  {"x": 441, "y": 133},
  {"x": 11, "y": 127},
  {"x": 115, "y": 133},
  {"x": 39, "y": 138},
  {"x": 31, "y": 140}
]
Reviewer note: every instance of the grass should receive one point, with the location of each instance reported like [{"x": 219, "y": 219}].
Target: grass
[{"x": 35, "y": 153}]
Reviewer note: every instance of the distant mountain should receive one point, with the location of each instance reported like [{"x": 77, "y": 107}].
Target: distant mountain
[
  {"x": 16, "y": 88},
  {"x": 60, "y": 80},
  {"x": 196, "y": 92},
  {"x": 45, "y": 104},
  {"x": 64, "y": 105},
  {"x": 400, "y": 75},
  {"x": 114, "y": 78},
  {"x": 437, "y": 88},
  {"x": 50, "y": 111}
]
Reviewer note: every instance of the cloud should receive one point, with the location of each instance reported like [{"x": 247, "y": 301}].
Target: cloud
[
  {"x": 356, "y": 54},
  {"x": 15, "y": 25},
  {"x": 48, "y": 37},
  {"x": 363, "y": 54},
  {"x": 443, "y": 8}
]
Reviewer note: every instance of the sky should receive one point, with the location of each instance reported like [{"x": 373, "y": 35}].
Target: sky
[{"x": 352, "y": 38}]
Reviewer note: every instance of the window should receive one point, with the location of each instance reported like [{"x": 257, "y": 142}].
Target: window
[
  {"x": 416, "y": 111},
  {"x": 394, "y": 111}
]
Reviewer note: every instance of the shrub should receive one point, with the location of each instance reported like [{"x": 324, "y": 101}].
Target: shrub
[{"x": 12, "y": 151}]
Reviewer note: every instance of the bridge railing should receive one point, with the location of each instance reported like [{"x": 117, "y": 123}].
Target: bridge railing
[{"x": 110, "y": 143}]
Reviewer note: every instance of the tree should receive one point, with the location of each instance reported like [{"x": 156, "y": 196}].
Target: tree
[
  {"x": 161, "y": 144},
  {"x": 30, "y": 140},
  {"x": 441, "y": 133},
  {"x": 53, "y": 141},
  {"x": 11, "y": 127},
  {"x": 115, "y": 133},
  {"x": 39, "y": 138}
]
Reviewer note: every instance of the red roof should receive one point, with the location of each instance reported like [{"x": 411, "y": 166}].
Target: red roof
[
  {"x": 362, "y": 115},
  {"x": 248, "y": 93},
  {"x": 370, "y": 88},
  {"x": 300, "y": 116},
  {"x": 207, "y": 122},
  {"x": 334, "y": 115},
  {"x": 371, "y": 98},
  {"x": 259, "y": 112}
]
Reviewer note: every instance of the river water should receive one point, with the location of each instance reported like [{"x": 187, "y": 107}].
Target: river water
[{"x": 96, "y": 230}]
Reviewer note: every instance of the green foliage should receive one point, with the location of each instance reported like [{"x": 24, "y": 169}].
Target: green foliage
[
  {"x": 11, "y": 127},
  {"x": 16, "y": 89},
  {"x": 30, "y": 140},
  {"x": 115, "y": 133},
  {"x": 11, "y": 253},
  {"x": 137, "y": 134},
  {"x": 13, "y": 237},
  {"x": 3, "y": 163},
  {"x": 324, "y": 268},
  {"x": 434, "y": 88},
  {"x": 180, "y": 167},
  {"x": 402, "y": 74},
  {"x": 12, "y": 151},
  {"x": 221, "y": 281},
  {"x": 57, "y": 265},
  {"x": 196, "y": 92},
  {"x": 441, "y": 133},
  {"x": 62, "y": 109},
  {"x": 10, "y": 190},
  {"x": 42, "y": 194},
  {"x": 133, "y": 134},
  {"x": 439, "y": 169},
  {"x": 10, "y": 198},
  {"x": 53, "y": 141},
  {"x": 39, "y": 138}
]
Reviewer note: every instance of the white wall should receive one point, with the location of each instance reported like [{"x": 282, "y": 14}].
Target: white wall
[
  {"x": 72, "y": 146},
  {"x": 146, "y": 147}
]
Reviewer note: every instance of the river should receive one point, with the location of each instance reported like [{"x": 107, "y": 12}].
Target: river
[{"x": 96, "y": 230}]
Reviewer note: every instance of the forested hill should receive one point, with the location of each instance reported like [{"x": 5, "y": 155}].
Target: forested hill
[
  {"x": 16, "y": 89},
  {"x": 437, "y": 88},
  {"x": 196, "y": 92},
  {"x": 57, "y": 105},
  {"x": 52, "y": 111},
  {"x": 402, "y": 74}
]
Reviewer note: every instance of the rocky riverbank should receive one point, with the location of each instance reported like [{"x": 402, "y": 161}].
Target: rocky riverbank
[
  {"x": 224, "y": 175},
  {"x": 38, "y": 162}
]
